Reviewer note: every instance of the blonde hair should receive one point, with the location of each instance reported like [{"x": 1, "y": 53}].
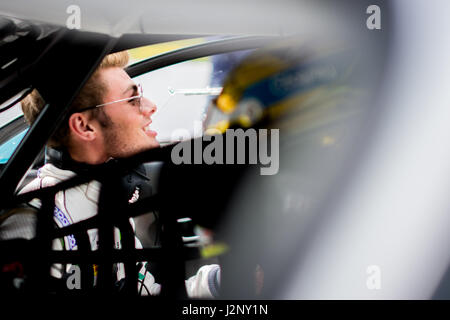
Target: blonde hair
[{"x": 90, "y": 95}]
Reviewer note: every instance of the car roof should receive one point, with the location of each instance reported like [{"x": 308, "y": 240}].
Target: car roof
[{"x": 182, "y": 17}]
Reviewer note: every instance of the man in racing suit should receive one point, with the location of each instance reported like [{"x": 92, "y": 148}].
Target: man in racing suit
[{"x": 109, "y": 118}]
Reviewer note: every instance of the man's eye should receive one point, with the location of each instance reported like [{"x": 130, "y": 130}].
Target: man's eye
[{"x": 134, "y": 101}]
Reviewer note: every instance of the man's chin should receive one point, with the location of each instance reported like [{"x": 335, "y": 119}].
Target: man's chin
[
  {"x": 138, "y": 150},
  {"x": 154, "y": 144}
]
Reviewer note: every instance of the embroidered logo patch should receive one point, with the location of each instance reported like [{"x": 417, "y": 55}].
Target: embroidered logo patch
[{"x": 135, "y": 196}]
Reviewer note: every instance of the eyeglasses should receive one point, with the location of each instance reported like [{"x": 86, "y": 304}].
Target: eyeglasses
[{"x": 137, "y": 98}]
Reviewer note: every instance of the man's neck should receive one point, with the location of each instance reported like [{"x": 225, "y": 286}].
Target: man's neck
[{"x": 88, "y": 155}]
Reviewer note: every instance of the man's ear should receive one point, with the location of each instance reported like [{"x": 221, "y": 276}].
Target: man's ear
[{"x": 82, "y": 127}]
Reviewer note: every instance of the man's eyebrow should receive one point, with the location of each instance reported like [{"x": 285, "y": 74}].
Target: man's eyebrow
[{"x": 131, "y": 87}]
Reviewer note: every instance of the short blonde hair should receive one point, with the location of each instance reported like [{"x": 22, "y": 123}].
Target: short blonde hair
[{"x": 90, "y": 95}]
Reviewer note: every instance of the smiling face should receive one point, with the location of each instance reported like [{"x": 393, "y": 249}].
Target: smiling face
[{"x": 124, "y": 126}]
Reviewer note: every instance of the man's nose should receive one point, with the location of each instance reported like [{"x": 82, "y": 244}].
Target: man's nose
[{"x": 148, "y": 108}]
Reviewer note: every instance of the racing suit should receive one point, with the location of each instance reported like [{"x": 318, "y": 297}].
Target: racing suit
[{"x": 80, "y": 203}]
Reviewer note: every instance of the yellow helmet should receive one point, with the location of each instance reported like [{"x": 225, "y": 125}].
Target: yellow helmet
[{"x": 281, "y": 82}]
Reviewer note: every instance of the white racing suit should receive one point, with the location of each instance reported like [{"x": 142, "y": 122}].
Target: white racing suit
[{"x": 80, "y": 203}]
